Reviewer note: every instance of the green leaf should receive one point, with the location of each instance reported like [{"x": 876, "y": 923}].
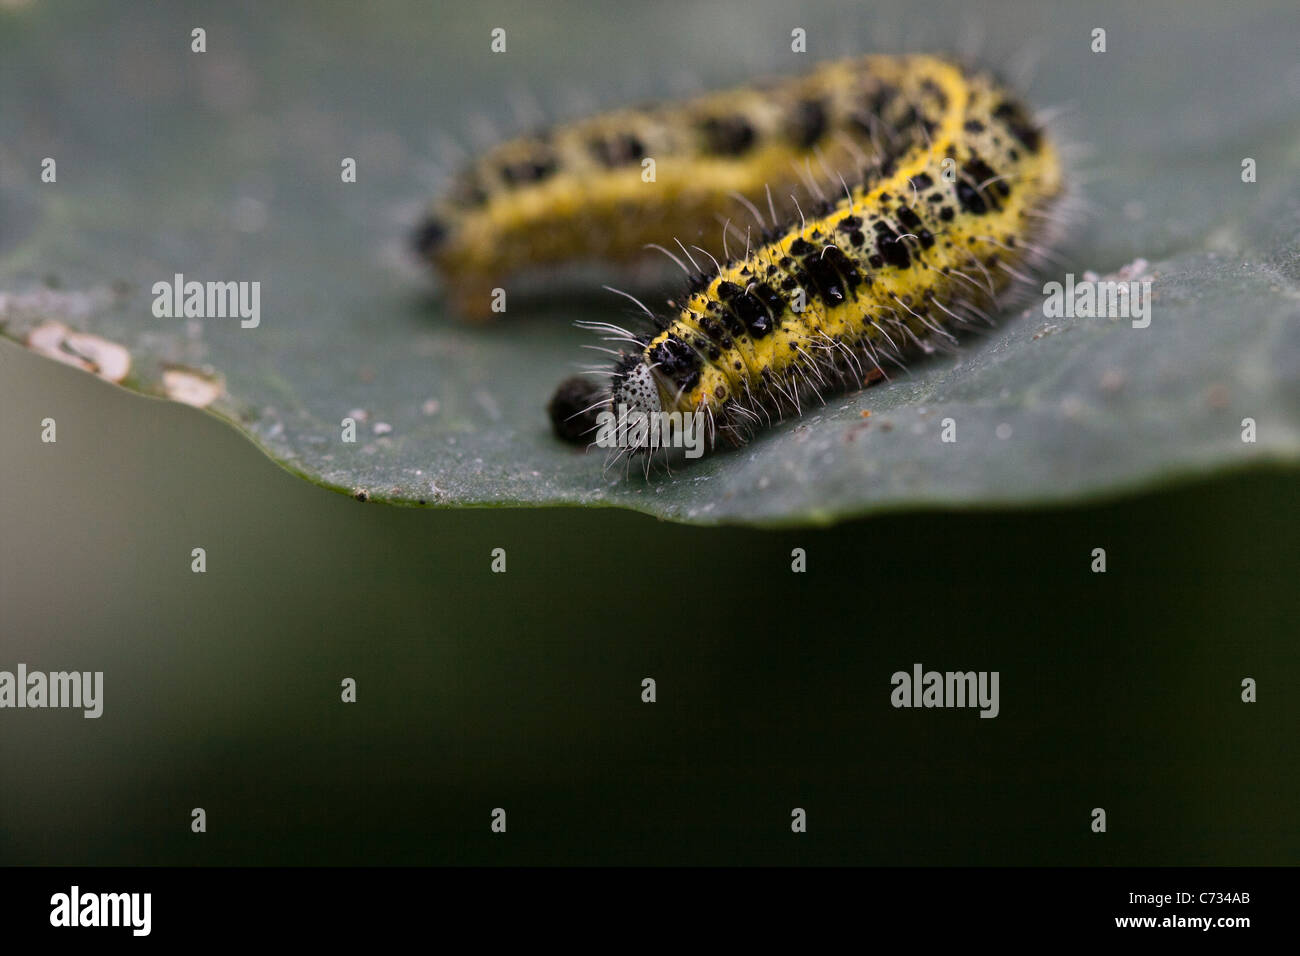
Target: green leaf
[{"x": 225, "y": 165}]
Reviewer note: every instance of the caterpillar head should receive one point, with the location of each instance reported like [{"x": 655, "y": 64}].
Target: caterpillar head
[
  {"x": 634, "y": 386},
  {"x": 575, "y": 407}
]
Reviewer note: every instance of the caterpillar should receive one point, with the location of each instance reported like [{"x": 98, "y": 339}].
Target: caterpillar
[
  {"x": 955, "y": 207},
  {"x": 582, "y": 192}
]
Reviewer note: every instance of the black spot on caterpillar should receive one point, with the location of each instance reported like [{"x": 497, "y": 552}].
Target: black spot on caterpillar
[{"x": 923, "y": 245}]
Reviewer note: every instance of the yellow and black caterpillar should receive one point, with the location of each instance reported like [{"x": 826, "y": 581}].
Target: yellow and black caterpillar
[
  {"x": 955, "y": 205},
  {"x": 611, "y": 185}
]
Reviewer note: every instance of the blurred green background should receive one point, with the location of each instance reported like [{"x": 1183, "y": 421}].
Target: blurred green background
[{"x": 479, "y": 690}]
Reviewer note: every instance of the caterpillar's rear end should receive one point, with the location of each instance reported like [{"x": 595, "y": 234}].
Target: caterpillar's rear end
[{"x": 607, "y": 187}]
